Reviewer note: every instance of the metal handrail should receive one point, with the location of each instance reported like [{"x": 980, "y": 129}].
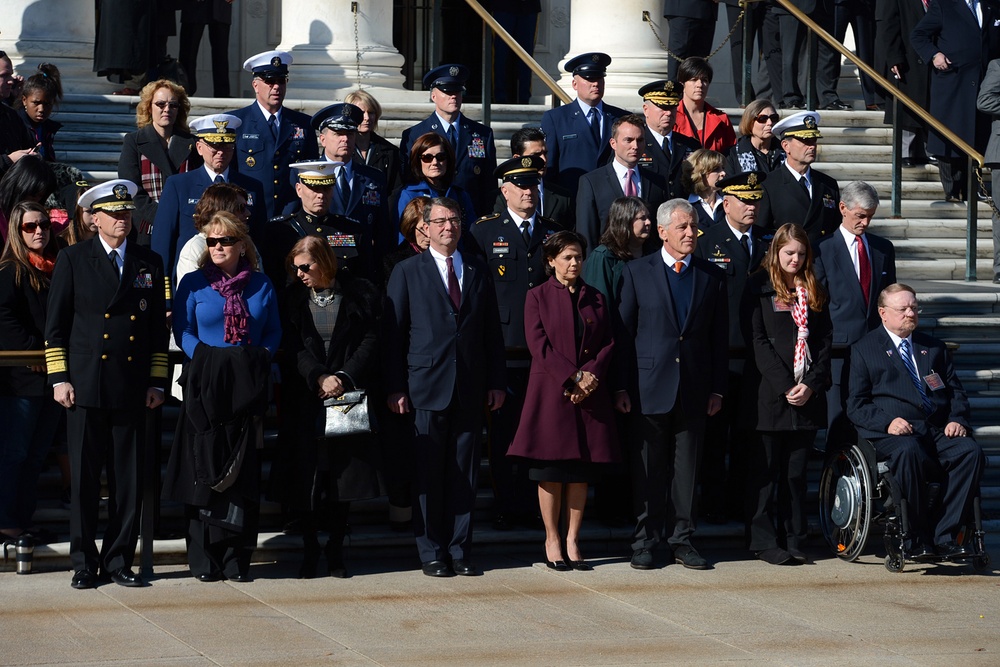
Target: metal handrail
[
  {"x": 974, "y": 156},
  {"x": 519, "y": 51}
]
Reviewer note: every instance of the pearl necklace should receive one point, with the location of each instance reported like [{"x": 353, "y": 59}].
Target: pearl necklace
[{"x": 322, "y": 300}]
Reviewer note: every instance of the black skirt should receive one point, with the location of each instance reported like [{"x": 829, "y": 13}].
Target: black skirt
[{"x": 564, "y": 472}]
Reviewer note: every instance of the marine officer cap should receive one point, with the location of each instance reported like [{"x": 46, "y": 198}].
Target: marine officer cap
[
  {"x": 590, "y": 66},
  {"x": 447, "y": 78},
  {"x": 342, "y": 117},
  {"x": 663, "y": 93},
  {"x": 318, "y": 173},
  {"x": 521, "y": 171},
  {"x": 803, "y": 125},
  {"x": 269, "y": 63},
  {"x": 216, "y": 128},
  {"x": 112, "y": 196},
  {"x": 745, "y": 186}
]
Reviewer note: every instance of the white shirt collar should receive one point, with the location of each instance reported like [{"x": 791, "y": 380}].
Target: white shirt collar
[
  {"x": 267, "y": 114},
  {"x": 670, "y": 260},
  {"x": 798, "y": 176},
  {"x": 211, "y": 174},
  {"x": 445, "y": 124},
  {"x": 586, "y": 108},
  {"x": 896, "y": 340},
  {"x": 120, "y": 249},
  {"x": 849, "y": 237}
]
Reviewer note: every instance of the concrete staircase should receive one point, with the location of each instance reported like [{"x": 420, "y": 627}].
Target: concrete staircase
[{"x": 929, "y": 240}]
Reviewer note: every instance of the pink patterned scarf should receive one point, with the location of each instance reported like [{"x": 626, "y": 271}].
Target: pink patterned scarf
[
  {"x": 237, "y": 322},
  {"x": 800, "y": 315}
]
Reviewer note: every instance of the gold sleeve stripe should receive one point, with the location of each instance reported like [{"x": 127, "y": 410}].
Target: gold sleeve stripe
[
  {"x": 166, "y": 289},
  {"x": 55, "y": 360},
  {"x": 158, "y": 367}
]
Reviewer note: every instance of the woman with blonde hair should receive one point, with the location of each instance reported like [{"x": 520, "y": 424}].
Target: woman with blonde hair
[
  {"x": 371, "y": 148},
  {"x": 789, "y": 334},
  {"x": 703, "y": 169}
]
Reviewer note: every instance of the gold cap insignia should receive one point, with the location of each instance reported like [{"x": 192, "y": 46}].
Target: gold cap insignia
[
  {"x": 809, "y": 122},
  {"x": 752, "y": 180},
  {"x": 526, "y": 162},
  {"x": 276, "y": 62},
  {"x": 120, "y": 191},
  {"x": 220, "y": 126}
]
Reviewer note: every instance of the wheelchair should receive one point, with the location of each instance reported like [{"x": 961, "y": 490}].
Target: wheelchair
[{"x": 856, "y": 491}]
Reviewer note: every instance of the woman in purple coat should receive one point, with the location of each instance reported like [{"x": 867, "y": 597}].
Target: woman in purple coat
[{"x": 567, "y": 429}]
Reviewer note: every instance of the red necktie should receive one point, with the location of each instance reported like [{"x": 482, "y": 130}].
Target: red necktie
[
  {"x": 864, "y": 270},
  {"x": 454, "y": 291},
  {"x": 630, "y": 184}
]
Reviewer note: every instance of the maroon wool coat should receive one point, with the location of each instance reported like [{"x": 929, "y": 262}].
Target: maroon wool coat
[{"x": 552, "y": 428}]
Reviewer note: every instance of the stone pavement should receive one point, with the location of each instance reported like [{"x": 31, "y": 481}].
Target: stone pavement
[{"x": 518, "y": 613}]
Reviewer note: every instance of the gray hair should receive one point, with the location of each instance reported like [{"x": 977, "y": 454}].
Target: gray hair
[
  {"x": 859, "y": 194},
  {"x": 668, "y": 208}
]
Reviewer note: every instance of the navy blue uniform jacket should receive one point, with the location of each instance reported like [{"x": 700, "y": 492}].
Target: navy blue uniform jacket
[{"x": 572, "y": 151}]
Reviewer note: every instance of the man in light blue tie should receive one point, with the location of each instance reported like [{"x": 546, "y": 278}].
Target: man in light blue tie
[{"x": 906, "y": 399}]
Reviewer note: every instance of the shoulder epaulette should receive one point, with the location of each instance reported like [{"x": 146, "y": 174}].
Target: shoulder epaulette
[{"x": 492, "y": 216}]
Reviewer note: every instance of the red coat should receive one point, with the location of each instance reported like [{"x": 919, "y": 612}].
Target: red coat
[
  {"x": 552, "y": 428},
  {"x": 719, "y": 134}
]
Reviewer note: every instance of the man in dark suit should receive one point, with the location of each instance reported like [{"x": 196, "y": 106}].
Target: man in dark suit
[
  {"x": 691, "y": 29},
  {"x": 174, "y": 225},
  {"x": 737, "y": 247},
  {"x": 896, "y": 59},
  {"x": 475, "y": 148},
  {"x": 444, "y": 360},
  {"x": 359, "y": 190},
  {"x": 958, "y": 38},
  {"x": 854, "y": 267},
  {"x": 271, "y": 136},
  {"x": 511, "y": 242},
  {"x": 905, "y": 398},
  {"x": 577, "y": 133},
  {"x": 218, "y": 16},
  {"x": 673, "y": 355},
  {"x": 619, "y": 178},
  {"x": 106, "y": 357},
  {"x": 665, "y": 151},
  {"x": 796, "y": 192},
  {"x": 554, "y": 202}
]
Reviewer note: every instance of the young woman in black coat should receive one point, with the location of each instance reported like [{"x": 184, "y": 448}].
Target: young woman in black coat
[
  {"x": 789, "y": 333},
  {"x": 333, "y": 322}
]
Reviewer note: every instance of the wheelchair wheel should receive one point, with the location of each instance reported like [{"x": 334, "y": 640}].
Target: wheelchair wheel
[
  {"x": 845, "y": 496},
  {"x": 894, "y": 563}
]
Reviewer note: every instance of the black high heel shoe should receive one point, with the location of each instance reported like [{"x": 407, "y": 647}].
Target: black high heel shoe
[
  {"x": 580, "y": 565},
  {"x": 335, "y": 558},
  {"x": 310, "y": 556}
]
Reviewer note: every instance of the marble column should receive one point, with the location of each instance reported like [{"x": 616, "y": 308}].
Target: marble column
[
  {"x": 54, "y": 31},
  {"x": 618, "y": 29},
  {"x": 336, "y": 50}
]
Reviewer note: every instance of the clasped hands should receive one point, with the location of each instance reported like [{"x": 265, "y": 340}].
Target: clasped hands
[
  {"x": 900, "y": 426},
  {"x": 583, "y": 387}
]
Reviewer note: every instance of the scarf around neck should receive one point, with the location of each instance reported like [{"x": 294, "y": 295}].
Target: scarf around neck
[
  {"x": 237, "y": 315},
  {"x": 800, "y": 316}
]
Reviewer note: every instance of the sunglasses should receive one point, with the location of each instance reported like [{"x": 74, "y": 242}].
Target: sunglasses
[
  {"x": 30, "y": 227},
  {"x": 427, "y": 158},
  {"x": 161, "y": 105},
  {"x": 226, "y": 241},
  {"x": 304, "y": 268},
  {"x": 274, "y": 80},
  {"x": 763, "y": 118}
]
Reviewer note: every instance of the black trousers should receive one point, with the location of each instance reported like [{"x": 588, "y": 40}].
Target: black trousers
[
  {"x": 759, "y": 86},
  {"x": 664, "y": 475},
  {"x": 861, "y": 17},
  {"x": 688, "y": 37},
  {"x": 957, "y": 463},
  {"x": 446, "y": 469},
  {"x": 99, "y": 438},
  {"x": 782, "y": 40},
  {"x": 190, "y": 41},
  {"x": 776, "y": 489},
  {"x": 230, "y": 556}
]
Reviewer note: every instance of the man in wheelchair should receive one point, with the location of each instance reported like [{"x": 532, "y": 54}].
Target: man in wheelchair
[{"x": 906, "y": 399}]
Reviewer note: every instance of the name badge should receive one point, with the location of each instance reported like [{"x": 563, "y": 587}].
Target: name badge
[
  {"x": 780, "y": 306},
  {"x": 565, "y": 137},
  {"x": 193, "y": 200},
  {"x": 251, "y": 136},
  {"x": 934, "y": 381},
  {"x": 501, "y": 248}
]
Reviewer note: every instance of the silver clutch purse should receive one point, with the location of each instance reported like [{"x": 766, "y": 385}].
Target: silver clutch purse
[{"x": 347, "y": 414}]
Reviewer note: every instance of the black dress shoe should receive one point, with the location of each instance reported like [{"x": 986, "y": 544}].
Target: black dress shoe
[
  {"x": 209, "y": 577},
  {"x": 907, "y": 163},
  {"x": 580, "y": 565},
  {"x": 83, "y": 579},
  {"x": 436, "y": 568},
  {"x": 838, "y": 105},
  {"x": 798, "y": 556},
  {"x": 241, "y": 578},
  {"x": 642, "y": 559},
  {"x": 923, "y": 554},
  {"x": 126, "y": 577},
  {"x": 557, "y": 565},
  {"x": 690, "y": 558},
  {"x": 952, "y": 550},
  {"x": 464, "y": 567},
  {"x": 776, "y": 556}
]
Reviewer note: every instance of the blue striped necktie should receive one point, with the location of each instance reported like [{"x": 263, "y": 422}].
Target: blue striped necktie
[{"x": 904, "y": 353}]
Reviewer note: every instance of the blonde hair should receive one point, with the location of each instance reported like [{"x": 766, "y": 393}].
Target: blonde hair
[
  {"x": 231, "y": 226},
  {"x": 702, "y": 162},
  {"x": 144, "y": 112},
  {"x": 367, "y": 99}
]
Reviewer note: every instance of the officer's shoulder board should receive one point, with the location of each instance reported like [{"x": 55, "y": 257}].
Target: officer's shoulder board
[
  {"x": 486, "y": 218},
  {"x": 282, "y": 218}
]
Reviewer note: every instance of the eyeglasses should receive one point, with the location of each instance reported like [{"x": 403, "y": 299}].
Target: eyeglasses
[
  {"x": 226, "y": 241},
  {"x": 304, "y": 268},
  {"x": 454, "y": 222},
  {"x": 274, "y": 80},
  {"x": 30, "y": 227},
  {"x": 427, "y": 158},
  {"x": 161, "y": 105},
  {"x": 763, "y": 118},
  {"x": 915, "y": 309}
]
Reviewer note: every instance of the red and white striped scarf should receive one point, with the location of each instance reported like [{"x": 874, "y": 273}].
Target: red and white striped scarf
[{"x": 800, "y": 315}]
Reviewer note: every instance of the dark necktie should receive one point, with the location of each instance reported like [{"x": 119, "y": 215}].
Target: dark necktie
[
  {"x": 454, "y": 291},
  {"x": 526, "y": 233},
  {"x": 805, "y": 187},
  {"x": 666, "y": 148},
  {"x": 218, "y": 179},
  {"x": 113, "y": 256},
  {"x": 745, "y": 244},
  {"x": 343, "y": 190},
  {"x": 453, "y": 138},
  {"x": 904, "y": 353},
  {"x": 272, "y": 124},
  {"x": 595, "y": 125},
  {"x": 864, "y": 270}
]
